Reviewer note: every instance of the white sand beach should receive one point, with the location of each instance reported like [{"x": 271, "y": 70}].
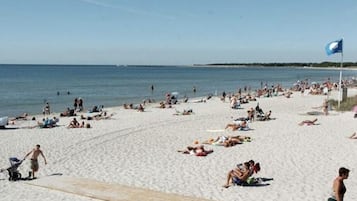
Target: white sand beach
[{"x": 139, "y": 149}]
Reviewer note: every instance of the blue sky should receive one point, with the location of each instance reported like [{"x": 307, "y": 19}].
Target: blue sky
[{"x": 175, "y": 31}]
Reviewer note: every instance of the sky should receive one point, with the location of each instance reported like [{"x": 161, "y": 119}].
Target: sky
[{"x": 175, "y": 32}]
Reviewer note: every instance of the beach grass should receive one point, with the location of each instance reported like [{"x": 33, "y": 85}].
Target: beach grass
[{"x": 346, "y": 105}]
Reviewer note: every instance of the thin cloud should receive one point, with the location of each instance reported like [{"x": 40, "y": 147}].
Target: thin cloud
[{"x": 127, "y": 9}]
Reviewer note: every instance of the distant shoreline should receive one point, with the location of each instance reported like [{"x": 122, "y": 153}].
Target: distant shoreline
[
  {"x": 333, "y": 66},
  {"x": 266, "y": 66}
]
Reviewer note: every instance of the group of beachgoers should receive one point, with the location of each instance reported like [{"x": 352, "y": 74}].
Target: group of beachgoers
[
  {"x": 75, "y": 124},
  {"x": 78, "y": 104},
  {"x": 138, "y": 107},
  {"x": 243, "y": 173},
  {"x": 48, "y": 122}
]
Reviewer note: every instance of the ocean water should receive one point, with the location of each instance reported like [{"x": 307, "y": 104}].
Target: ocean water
[{"x": 26, "y": 88}]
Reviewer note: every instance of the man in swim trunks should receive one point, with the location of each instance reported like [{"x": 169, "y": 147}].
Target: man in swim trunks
[{"x": 34, "y": 159}]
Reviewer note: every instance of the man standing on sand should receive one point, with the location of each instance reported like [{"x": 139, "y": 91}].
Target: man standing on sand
[{"x": 34, "y": 159}]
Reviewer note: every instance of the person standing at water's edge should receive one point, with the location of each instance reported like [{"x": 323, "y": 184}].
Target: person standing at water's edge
[
  {"x": 34, "y": 159},
  {"x": 46, "y": 109},
  {"x": 339, "y": 188}
]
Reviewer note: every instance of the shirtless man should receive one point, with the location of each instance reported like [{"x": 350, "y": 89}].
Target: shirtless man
[{"x": 34, "y": 159}]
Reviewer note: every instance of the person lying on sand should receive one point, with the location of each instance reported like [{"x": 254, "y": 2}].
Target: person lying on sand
[
  {"x": 287, "y": 94},
  {"x": 68, "y": 113},
  {"x": 198, "y": 151},
  {"x": 103, "y": 115},
  {"x": 237, "y": 125},
  {"x": 185, "y": 112},
  {"x": 308, "y": 122},
  {"x": 22, "y": 117},
  {"x": 86, "y": 118},
  {"x": 228, "y": 141}
]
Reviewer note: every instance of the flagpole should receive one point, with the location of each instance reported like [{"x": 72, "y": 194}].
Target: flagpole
[{"x": 340, "y": 83}]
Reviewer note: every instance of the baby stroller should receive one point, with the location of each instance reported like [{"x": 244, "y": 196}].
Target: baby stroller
[{"x": 14, "y": 173}]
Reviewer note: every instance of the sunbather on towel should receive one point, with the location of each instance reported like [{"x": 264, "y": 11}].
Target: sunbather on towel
[
  {"x": 198, "y": 151},
  {"x": 308, "y": 122},
  {"x": 227, "y": 141},
  {"x": 237, "y": 125},
  {"x": 185, "y": 112}
]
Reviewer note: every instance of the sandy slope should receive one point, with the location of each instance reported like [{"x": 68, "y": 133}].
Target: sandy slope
[{"x": 140, "y": 150}]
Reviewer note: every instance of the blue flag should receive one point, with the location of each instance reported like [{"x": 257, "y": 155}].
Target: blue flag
[{"x": 334, "y": 47}]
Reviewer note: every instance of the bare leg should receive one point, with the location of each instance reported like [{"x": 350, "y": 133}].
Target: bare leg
[
  {"x": 235, "y": 127},
  {"x": 353, "y": 136},
  {"x": 229, "y": 179},
  {"x": 33, "y": 173}
]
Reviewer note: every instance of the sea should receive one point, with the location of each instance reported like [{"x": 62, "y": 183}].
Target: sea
[{"x": 26, "y": 88}]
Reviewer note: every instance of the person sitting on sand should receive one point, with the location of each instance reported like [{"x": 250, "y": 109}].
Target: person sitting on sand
[
  {"x": 162, "y": 105},
  {"x": 238, "y": 176},
  {"x": 74, "y": 123},
  {"x": 266, "y": 116},
  {"x": 237, "y": 125},
  {"x": 96, "y": 109},
  {"x": 235, "y": 103},
  {"x": 308, "y": 122},
  {"x": 242, "y": 174},
  {"x": 84, "y": 125},
  {"x": 198, "y": 151},
  {"x": 128, "y": 106},
  {"x": 140, "y": 108},
  {"x": 47, "y": 123}
]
